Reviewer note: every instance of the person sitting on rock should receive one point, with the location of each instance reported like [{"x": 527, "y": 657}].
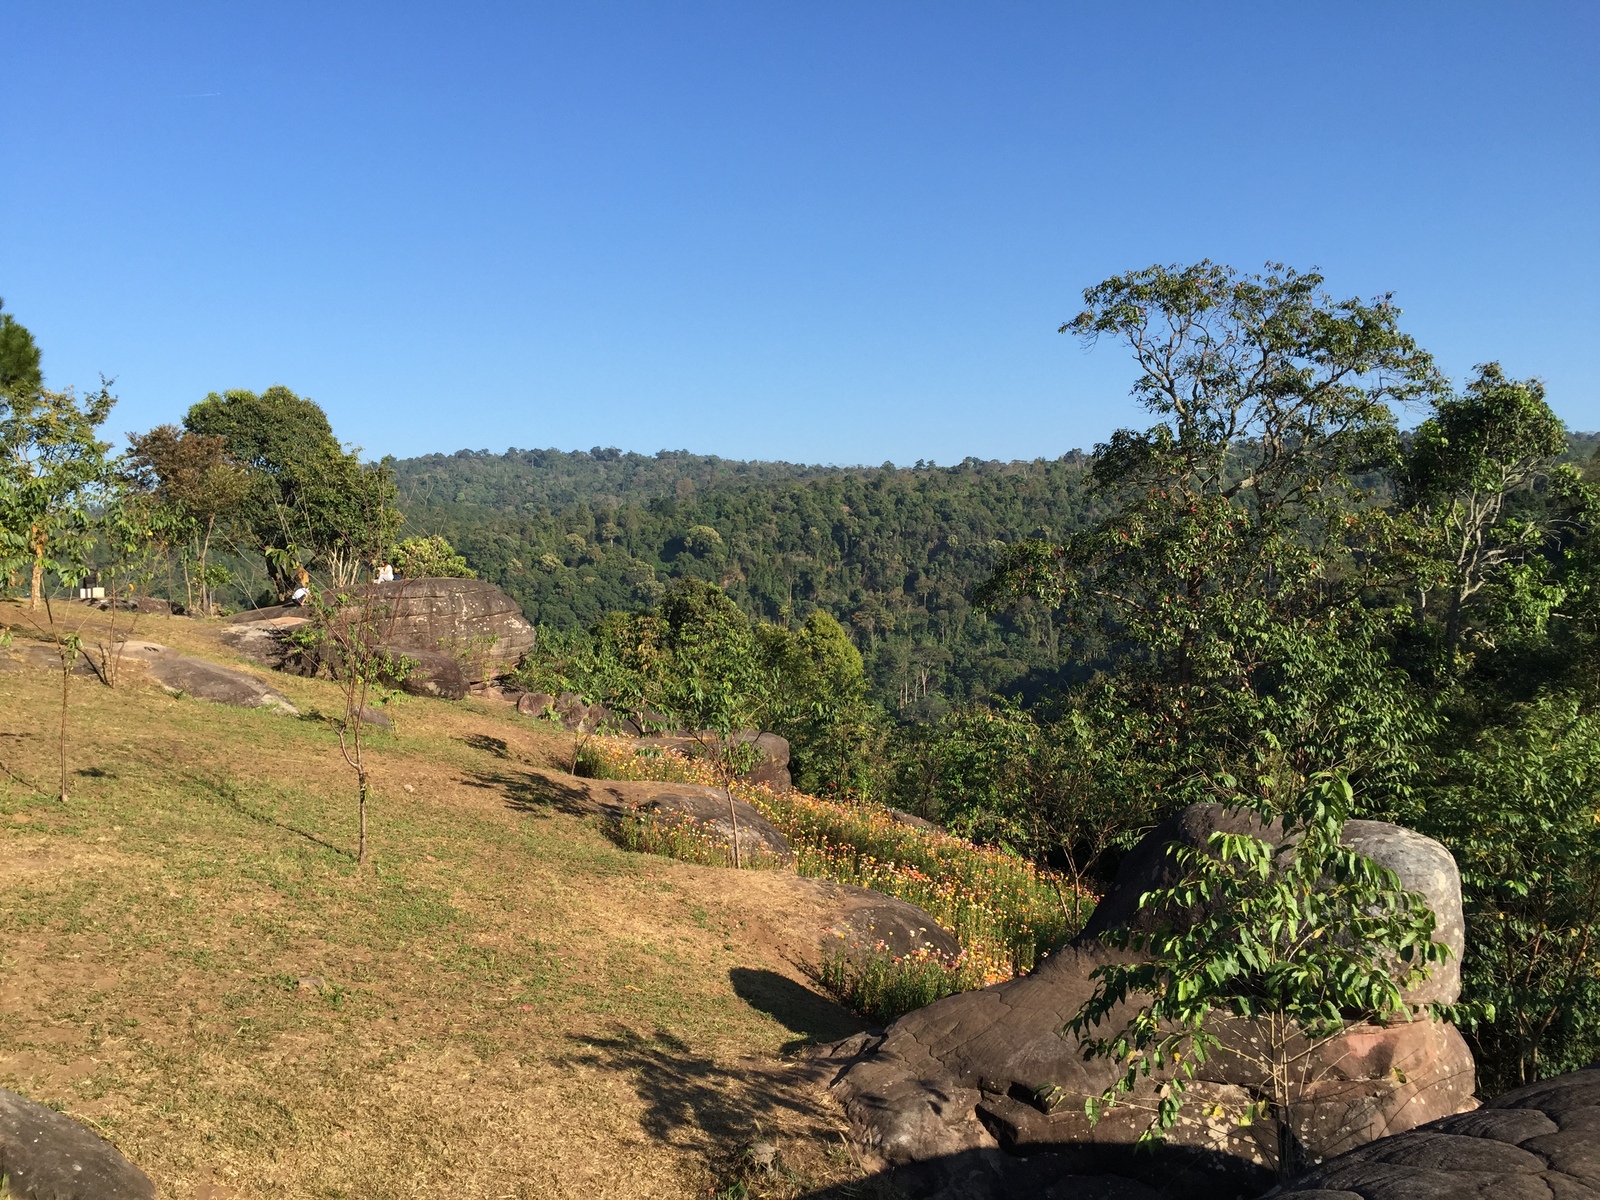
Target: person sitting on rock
[
  {"x": 385, "y": 574},
  {"x": 302, "y": 591}
]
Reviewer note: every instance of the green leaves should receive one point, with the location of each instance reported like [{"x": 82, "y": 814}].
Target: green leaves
[
  {"x": 53, "y": 472},
  {"x": 1301, "y": 937}
]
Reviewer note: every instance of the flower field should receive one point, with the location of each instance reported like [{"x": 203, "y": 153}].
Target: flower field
[{"x": 1004, "y": 911}]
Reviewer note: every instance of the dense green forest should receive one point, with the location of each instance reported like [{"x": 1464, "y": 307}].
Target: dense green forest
[{"x": 893, "y": 554}]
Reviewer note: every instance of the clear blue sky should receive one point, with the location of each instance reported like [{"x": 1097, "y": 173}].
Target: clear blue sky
[{"x": 833, "y": 232}]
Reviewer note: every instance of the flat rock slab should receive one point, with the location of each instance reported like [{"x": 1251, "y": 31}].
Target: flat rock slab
[
  {"x": 264, "y": 641},
  {"x": 46, "y": 1155},
  {"x": 205, "y": 680},
  {"x": 1540, "y": 1141},
  {"x": 42, "y": 656},
  {"x": 274, "y": 612},
  {"x": 706, "y": 808}
]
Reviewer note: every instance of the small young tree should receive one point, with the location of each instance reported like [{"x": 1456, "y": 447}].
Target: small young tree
[
  {"x": 349, "y": 633},
  {"x": 1299, "y": 940},
  {"x": 52, "y": 470}
]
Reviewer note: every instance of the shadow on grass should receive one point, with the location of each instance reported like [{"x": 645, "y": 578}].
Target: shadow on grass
[
  {"x": 228, "y": 795},
  {"x": 796, "y": 1007},
  {"x": 527, "y": 792},
  {"x": 489, "y": 745},
  {"x": 686, "y": 1094}
]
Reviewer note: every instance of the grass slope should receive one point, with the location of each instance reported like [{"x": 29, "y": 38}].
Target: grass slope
[{"x": 509, "y": 1005}]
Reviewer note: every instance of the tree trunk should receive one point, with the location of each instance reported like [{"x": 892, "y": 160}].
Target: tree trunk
[
  {"x": 61, "y": 744},
  {"x": 1452, "y": 628},
  {"x": 36, "y": 594},
  {"x": 205, "y": 586},
  {"x": 361, "y": 834}
]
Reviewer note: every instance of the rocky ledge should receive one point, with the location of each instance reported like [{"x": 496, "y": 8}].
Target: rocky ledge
[{"x": 949, "y": 1096}]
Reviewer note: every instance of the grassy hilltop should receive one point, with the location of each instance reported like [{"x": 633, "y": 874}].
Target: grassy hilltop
[{"x": 505, "y": 1004}]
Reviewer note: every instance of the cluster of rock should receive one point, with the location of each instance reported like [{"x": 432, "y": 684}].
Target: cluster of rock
[
  {"x": 1542, "y": 1140},
  {"x": 456, "y": 634},
  {"x": 982, "y": 1094}
]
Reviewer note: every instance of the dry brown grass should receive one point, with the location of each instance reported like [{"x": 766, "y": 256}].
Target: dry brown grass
[{"x": 509, "y": 1005}]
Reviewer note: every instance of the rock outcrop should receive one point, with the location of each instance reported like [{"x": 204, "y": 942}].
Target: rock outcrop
[
  {"x": 454, "y": 633},
  {"x": 202, "y": 679},
  {"x": 468, "y": 620},
  {"x": 980, "y": 1081},
  {"x": 822, "y": 919},
  {"x": 264, "y": 639},
  {"x": 46, "y": 1155},
  {"x": 1542, "y": 1140},
  {"x": 707, "y": 809}
]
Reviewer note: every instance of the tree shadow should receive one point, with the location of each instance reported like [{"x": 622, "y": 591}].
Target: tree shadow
[
  {"x": 796, "y": 1007},
  {"x": 489, "y": 745},
  {"x": 230, "y": 798},
  {"x": 695, "y": 1103},
  {"x": 527, "y": 792}
]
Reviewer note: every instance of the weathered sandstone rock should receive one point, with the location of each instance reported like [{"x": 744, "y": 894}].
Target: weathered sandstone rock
[
  {"x": 46, "y": 1155},
  {"x": 964, "y": 1082},
  {"x": 1540, "y": 1141},
  {"x": 264, "y": 641},
  {"x": 204, "y": 680},
  {"x": 470, "y": 620}
]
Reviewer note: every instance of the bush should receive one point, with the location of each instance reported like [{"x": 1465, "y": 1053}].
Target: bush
[
  {"x": 882, "y": 987},
  {"x": 430, "y": 558}
]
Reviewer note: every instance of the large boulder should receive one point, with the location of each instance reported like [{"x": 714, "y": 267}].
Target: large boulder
[
  {"x": 46, "y": 1155},
  {"x": 432, "y": 673},
  {"x": 1422, "y": 864},
  {"x": 1542, "y": 1140},
  {"x": 956, "y": 1088},
  {"x": 470, "y": 620}
]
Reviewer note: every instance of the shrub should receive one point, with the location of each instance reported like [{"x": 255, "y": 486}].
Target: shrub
[
  {"x": 430, "y": 558},
  {"x": 882, "y": 987}
]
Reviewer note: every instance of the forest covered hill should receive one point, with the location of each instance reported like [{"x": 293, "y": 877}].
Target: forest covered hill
[{"x": 893, "y": 553}]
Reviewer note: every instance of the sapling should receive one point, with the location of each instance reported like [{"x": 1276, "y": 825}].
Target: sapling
[{"x": 1299, "y": 939}]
